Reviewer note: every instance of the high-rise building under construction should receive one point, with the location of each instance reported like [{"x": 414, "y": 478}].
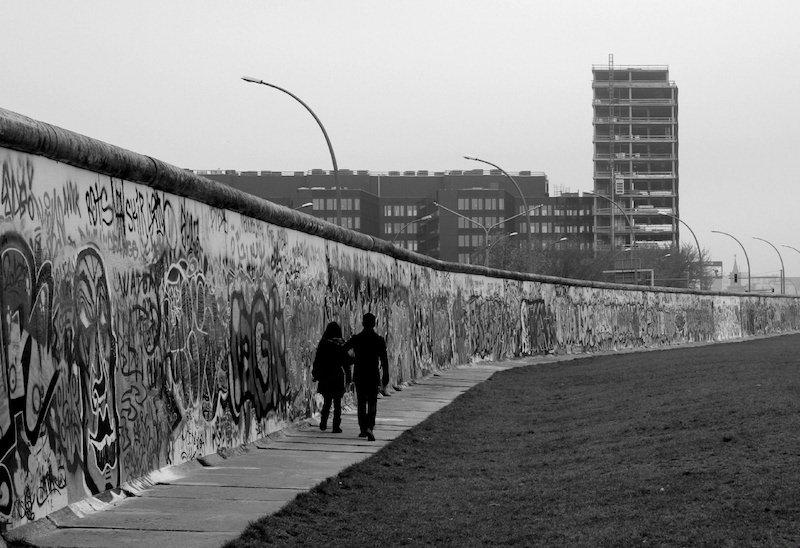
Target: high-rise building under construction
[{"x": 635, "y": 156}]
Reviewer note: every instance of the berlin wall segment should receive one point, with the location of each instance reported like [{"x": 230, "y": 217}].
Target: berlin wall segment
[{"x": 143, "y": 328}]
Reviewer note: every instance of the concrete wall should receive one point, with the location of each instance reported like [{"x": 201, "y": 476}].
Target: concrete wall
[{"x": 150, "y": 317}]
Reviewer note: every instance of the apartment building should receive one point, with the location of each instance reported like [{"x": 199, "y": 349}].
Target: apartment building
[{"x": 635, "y": 139}]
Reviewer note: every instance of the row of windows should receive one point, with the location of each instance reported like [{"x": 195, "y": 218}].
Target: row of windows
[
  {"x": 348, "y": 204},
  {"x": 353, "y": 223},
  {"x": 399, "y": 211},
  {"x": 484, "y": 221},
  {"x": 551, "y": 228},
  {"x": 473, "y": 240},
  {"x": 550, "y": 210},
  {"x": 395, "y": 228},
  {"x": 465, "y": 204}
]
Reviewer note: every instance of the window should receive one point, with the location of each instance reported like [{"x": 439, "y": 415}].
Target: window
[
  {"x": 387, "y": 211},
  {"x": 357, "y": 203},
  {"x": 398, "y": 227},
  {"x": 547, "y": 228},
  {"x": 463, "y": 240},
  {"x": 463, "y": 258},
  {"x": 319, "y": 203},
  {"x": 463, "y": 204},
  {"x": 330, "y": 204},
  {"x": 476, "y": 203},
  {"x": 411, "y": 210},
  {"x": 347, "y": 204},
  {"x": 357, "y": 223},
  {"x": 387, "y": 228},
  {"x": 412, "y": 229},
  {"x": 399, "y": 211},
  {"x": 411, "y": 245},
  {"x": 462, "y": 222},
  {"x": 347, "y": 222},
  {"x": 501, "y": 202},
  {"x": 491, "y": 203},
  {"x": 477, "y": 240}
]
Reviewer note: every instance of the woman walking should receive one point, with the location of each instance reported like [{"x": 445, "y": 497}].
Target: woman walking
[{"x": 332, "y": 371}]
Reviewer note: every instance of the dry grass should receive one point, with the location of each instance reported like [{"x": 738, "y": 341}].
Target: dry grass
[{"x": 686, "y": 447}]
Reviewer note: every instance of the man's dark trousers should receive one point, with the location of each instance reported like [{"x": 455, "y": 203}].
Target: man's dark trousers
[{"x": 367, "y": 396}]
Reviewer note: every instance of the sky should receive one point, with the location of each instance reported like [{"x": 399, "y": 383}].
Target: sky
[{"x": 418, "y": 84}]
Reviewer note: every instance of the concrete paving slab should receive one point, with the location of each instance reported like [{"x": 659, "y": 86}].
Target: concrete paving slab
[
  {"x": 95, "y": 538},
  {"x": 197, "y": 515},
  {"x": 222, "y": 493}
]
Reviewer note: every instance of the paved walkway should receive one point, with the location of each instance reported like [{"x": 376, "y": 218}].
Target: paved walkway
[{"x": 203, "y": 504}]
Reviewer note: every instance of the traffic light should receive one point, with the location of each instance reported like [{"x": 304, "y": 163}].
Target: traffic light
[{"x": 736, "y": 278}]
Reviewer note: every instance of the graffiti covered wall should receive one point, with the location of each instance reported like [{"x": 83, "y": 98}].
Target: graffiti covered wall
[{"x": 142, "y": 328}]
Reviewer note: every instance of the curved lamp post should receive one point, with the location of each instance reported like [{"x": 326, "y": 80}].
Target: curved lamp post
[
  {"x": 699, "y": 253},
  {"x": 745, "y": 255},
  {"x": 564, "y": 239},
  {"x": 484, "y": 227},
  {"x": 783, "y": 272},
  {"x": 425, "y": 218},
  {"x": 327, "y": 140},
  {"x": 524, "y": 204},
  {"x": 790, "y": 247},
  {"x": 630, "y": 224},
  {"x": 502, "y": 238}
]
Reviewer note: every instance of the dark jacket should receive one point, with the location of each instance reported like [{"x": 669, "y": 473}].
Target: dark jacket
[
  {"x": 331, "y": 368},
  {"x": 370, "y": 359}
]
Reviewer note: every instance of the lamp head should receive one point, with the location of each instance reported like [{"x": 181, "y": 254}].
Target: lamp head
[
  {"x": 470, "y": 158},
  {"x": 251, "y": 79}
]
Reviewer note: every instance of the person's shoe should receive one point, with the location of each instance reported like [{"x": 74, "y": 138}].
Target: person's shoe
[
  {"x": 370, "y": 436},
  {"x": 336, "y": 429},
  {"x": 323, "y": 426},
  {"x": 362, "y": 434}
]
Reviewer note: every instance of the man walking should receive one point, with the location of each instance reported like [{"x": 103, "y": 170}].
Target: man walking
[{"x": 370, "y": 360}]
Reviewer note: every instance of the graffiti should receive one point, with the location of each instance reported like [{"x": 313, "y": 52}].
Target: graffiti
[
  {"x": 17, "y": 189},
  {"x": 140, "y": 329},
  {"x": 98, "y": 205},
  {"x": 258, "y": 354}
]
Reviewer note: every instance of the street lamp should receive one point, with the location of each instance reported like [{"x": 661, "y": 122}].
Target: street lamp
[
  {"x": 485, "y": 229},
  {"x": 630, "y": 224},
  {"x": 524, "y": 204},
  {"x": 699, "y": 253},
  {"x": 305, "y": 205},
  {"x": 502, "y": 238},
  {"x": 783, "y": 274},
  {"x": 564, "y": 239},
  {"x": 745, "y": 256},
  {"x": 425, "y": 218},
  {"x": 327, "y": 140}
]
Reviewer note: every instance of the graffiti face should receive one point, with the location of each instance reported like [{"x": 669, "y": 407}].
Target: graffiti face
[{"x": 96, "y": 359}]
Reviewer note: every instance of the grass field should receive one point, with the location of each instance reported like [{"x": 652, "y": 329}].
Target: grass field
[{"x": 686, "y": 447}]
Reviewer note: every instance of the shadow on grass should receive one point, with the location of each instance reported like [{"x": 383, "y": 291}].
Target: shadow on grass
[{"x": 683, "y": 447}]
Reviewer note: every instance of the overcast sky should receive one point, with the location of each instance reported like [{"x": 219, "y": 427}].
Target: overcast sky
[{"x": 419, "y": 84}]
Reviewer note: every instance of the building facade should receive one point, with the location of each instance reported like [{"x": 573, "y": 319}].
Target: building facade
[
  {"x": 635, "y": 144},
  {"x": 451, "y": 215}
]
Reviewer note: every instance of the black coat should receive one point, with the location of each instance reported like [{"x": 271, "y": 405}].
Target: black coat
[
  {"x": 331, "y": 368},
  {"x": 370, "y": 359}
]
